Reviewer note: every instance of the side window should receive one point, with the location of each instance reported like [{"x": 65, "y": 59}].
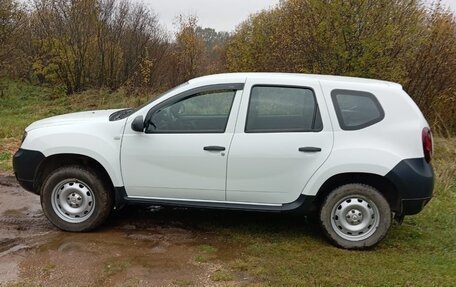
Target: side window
[
  {"x": 356, "y": 110},
  {"x": 282, "y": 109},
  {"x": 206, "y": 112}
]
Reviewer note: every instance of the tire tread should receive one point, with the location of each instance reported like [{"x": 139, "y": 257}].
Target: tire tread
[
  {"x": 100, "y": 188},
  {"x": 342, "y": 191}
]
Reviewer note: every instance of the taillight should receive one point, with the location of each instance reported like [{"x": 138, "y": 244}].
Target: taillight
[{"x": 427, "y": 144}]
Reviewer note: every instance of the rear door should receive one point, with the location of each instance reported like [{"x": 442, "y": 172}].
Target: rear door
[{"x": 283, "y": 135}]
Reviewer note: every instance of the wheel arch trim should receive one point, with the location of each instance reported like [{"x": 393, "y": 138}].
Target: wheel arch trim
[
  {"x": 379, "y": 182},
  {"x": 71, "y": 158}
]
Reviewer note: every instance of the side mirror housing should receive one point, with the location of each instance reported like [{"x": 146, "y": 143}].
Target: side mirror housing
[{"x": 138, "y": 124}]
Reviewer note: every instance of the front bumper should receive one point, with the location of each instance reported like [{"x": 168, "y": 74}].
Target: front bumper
[
  {"x": 414, "y": 180},
  {"x": 25, "y": 165}
]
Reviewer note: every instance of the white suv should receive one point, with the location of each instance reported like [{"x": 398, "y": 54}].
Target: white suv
[{"x": 354, "y": 150}]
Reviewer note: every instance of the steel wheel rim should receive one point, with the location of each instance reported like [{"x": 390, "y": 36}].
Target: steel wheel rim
[
  {"x": 73, "y": 201},
  {"x": 355, "y": 218}
]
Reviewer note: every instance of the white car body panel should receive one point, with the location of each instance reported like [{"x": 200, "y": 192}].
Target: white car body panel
[
  {"x": 262, "y": 168},
  {"x": 267, "y": 167},
  {"x": 175, "y": 165},
  {"x": 371, "y": 150},
  {"x": 85, "y": 133}
]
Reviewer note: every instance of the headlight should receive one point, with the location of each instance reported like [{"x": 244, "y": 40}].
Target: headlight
[{"x": 24, "y": 136}]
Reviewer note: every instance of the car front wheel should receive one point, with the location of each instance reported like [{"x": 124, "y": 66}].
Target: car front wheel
[
  {"x": 74, "y": 198},
  {"x": 355, "y": 216}
]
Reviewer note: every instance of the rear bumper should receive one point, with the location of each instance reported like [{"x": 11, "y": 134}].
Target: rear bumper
[
  {"x": 414, "y": 180},
  {"x": 413, "y": 206},
  {"x": 25, "y": 165}
]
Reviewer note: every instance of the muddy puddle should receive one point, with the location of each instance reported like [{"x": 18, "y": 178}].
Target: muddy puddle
[{"x": 136, "y": 247}]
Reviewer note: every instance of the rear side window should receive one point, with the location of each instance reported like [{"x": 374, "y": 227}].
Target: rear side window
[
  {"x": 356, "y": 110},
  {"x": 282, "y": 109}
]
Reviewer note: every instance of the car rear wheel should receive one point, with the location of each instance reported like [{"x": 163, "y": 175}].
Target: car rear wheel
[
  {"x": 75, "y": 199},
  {"x": 355, "y": 216}
]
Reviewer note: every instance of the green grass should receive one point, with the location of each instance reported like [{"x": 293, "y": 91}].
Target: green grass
[
  {"x": 205, "y": 253},
  {"x": 420, "y": 252},
  {"x": 201, "y": 258},
  {"x": 281, "y": 250},
  {"x": 222, "y": 276},
  {"x": 207, "y": 249},
  {"x": 5, "y": 159},
  {"x": 22, "y": 103},
  {"x": 115, "y": 266}
]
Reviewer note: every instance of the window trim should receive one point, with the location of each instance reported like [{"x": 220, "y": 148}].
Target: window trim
[
  {"x": 338, "y": 110},
  {"x": 235, "y": 87},
  {"x": 315, "y": 113}
]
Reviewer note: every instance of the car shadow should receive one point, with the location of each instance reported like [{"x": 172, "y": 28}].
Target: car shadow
[{"x": 284, "y": 224}]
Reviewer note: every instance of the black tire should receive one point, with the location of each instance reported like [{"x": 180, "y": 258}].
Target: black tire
[
  {"x": 350, "y": 207},
  {"x": 87, "y": 189}
]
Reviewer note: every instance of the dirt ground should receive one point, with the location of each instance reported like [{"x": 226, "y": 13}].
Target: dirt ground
[{"x": 137, "y": 247}]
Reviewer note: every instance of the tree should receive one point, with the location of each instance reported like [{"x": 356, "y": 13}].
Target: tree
[
  {"x": 11, "y": 25},
  {"x": 93, "y": 43},
  {"x": 397, "y": 40},
  {"x": 215, "y": 49},
  {"x": 188, "y": 50},
  {"x": 431, "y": 73}
]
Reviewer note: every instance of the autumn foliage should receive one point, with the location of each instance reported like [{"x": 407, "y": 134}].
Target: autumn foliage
[
  {"x": 77, "y": 45},
  {"x": 396, "y": 40}
]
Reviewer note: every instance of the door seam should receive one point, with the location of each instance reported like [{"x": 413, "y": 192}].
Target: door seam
[{"x": 232, "y": 138}]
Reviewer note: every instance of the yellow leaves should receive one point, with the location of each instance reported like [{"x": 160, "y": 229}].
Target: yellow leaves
[
  {"x": 391, "y": 40},
  {"x": 189, "y": 48}
]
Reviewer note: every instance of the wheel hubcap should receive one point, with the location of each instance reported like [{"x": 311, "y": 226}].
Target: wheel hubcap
[
  {"x": 355, "y": 218},
  {"x": 73, "y": 201}
]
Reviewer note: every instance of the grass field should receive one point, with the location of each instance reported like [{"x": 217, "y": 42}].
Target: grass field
[
  {"x": 282, "y": 250},
  {"x": 22, "y": 104}
]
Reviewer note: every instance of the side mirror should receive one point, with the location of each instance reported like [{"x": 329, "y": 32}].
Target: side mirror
[{"x": 138, "y": 124}]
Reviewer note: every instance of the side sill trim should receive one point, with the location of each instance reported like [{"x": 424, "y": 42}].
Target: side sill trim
[{"x": 303, "y": 201}]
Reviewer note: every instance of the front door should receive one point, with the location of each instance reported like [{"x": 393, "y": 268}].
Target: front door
[
  {"x": 183, "y": 152},
  {"x": 283, "y": 136}
]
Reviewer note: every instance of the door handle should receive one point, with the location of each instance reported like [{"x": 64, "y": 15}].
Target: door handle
[
  {"x": 309, "y": 149},
  {"x": 214, "y": 148}
]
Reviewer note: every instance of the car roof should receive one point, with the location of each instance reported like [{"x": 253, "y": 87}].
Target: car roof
[{"x": 241, "y": 77}]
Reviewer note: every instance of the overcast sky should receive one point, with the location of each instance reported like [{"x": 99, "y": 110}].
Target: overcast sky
[
  {"x": 450, "y": 3},
  {"x": 222, "y": 15}
]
